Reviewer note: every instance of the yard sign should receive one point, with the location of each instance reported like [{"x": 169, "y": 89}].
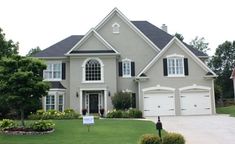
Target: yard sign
[{"x": 88, "y": 120}]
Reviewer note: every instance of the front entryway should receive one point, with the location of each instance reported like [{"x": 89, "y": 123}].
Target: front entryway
[
  {"x": 93, "y": 101},
  {"x": 93, "y": 104}
]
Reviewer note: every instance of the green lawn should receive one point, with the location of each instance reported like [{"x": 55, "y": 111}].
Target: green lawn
[
  {"x": 73, "y": 132},
  {"x": 226, "y": 110}
]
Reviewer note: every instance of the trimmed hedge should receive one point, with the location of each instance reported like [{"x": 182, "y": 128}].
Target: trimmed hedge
[
  {"x": 7, "y": 124},
  {"x": 173, "y": 138},
  {"x": 42, "y": 125},
  {"x": 132, "y": 113},
  {"x": 54, "y": 114},
  {"x": 150, "y": 139}
]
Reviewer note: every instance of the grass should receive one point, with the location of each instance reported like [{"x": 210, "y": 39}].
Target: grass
[
  {"x": 226, "y": 110},
  {"x": 104, "y": 131}
]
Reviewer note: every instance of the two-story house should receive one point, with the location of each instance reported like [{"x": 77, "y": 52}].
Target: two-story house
[{"x": 163, "y": 75}]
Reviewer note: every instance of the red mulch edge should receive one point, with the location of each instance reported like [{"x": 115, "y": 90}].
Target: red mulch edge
[{"x": 8, "y": 132}]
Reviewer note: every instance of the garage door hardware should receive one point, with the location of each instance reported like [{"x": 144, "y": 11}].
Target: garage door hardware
[
  {"x": 159, "y": 106},
  {"x": 171, "y": 109},
  {"x": 146, "y": 110},
  {"x": 195, "y": 105},
  {"x": 183, "y": 109},
  {"x": 146, "y": 97},
  {"x": 182, "y": 96},
  {"x": 207, "y": 108},
  {"x": 170, "y": 97},
  {"x": 206, "y": 96}
]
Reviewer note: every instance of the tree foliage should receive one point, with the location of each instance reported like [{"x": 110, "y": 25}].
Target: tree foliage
[
  {"x": 179, "y": 36},
  {"x": 121, "y": 100},
  {"x": 21, "y": 82},
  {"x": 7, "y": 47},
  {"x": 33, "y": 51},
  {"x": 222, "y": 64},
  {"x": 200, "y": 44}
]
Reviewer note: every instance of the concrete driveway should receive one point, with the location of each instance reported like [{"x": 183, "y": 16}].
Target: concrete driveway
[{"x": 215, "y": 129}]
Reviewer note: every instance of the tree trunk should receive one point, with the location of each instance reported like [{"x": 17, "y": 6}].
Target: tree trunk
[{"x": 22, "y": 117}]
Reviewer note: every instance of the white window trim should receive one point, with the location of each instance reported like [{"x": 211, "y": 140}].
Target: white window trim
[
  {"x": 61, "y": 93},
  {"x": 84, "y": 70},
  {"x": 45, "y": 100},
  {"x": 53, "y": 79},
  {"x": 123, "y": 61},
  {"x": 56, "y": 93},
  {"x": 116, "y": 28},
  {"x": 175, "y": 56}
]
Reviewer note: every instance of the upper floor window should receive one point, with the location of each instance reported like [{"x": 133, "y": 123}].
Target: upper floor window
[
  {"x": 175, "y": 65},
  {"x": 116, "y": 28},
  {"x": 53, "y": 71},
  {"x": 126, "y": 68},
  {"x": 93, "y": 70}
]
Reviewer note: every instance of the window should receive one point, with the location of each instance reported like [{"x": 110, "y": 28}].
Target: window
[
  {"x": 50, "y": 102},
  {"x": 93, "y": 70},
  {"x": 53, "y": 71},
  {"x": 175, "y": 66},
  {"x": 61, "y": 103},
  {"x": 126, "y": 68},
  {"x": 116, "y": 27}
]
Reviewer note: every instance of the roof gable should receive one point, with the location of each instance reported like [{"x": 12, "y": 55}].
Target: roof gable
[
  {"x": 104, "y": 46},
  {"x": 185, "y": 49},
  {"x": 115, "y": 11}
]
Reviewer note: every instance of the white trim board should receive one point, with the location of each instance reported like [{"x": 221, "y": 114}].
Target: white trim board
[
  {"x": 90, "y": 33},
  {"x": 129, "y": 23},
  {"x": 185, "y": 49}
]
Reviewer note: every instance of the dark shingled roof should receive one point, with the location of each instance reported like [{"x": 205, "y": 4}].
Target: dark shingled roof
[
  {"x": 60, "y": 48},
  {"x": 57, "y": 85},
  {"x": 159, "y": 37}
]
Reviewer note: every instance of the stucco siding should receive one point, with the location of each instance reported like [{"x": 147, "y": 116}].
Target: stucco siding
[
  {"x": 130, "y": 45},
  {"x": 156, "y": 77}
]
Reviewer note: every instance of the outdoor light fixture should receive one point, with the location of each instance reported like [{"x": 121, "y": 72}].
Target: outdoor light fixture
[
  {"x": 77, "y": 95},
  {"x": 109, "y": 93}
]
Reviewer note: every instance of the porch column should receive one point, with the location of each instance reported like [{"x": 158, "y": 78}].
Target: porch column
[
  {"x": 105, "y": 101},
  {"x": 80, "y": 98}
]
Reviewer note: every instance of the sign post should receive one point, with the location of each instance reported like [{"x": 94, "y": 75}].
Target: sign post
[{"x": 88, "y": 120}]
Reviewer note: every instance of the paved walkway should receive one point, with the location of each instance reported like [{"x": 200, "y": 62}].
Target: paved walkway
[{"x": 215, "y": 129}]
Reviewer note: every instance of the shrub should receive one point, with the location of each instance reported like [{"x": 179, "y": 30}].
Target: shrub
[
  {"x": 173, "y": 138},
  {"x": 42, "y": 125},
  {"x": 54, "y": 114},
  {"x": 115, "y": 114},
  {"x": 7, "y": 124},
  {"x": 134, "y": 113},
  {"x": 121, "y": 100},
  {"x": 150, "y": 139}
]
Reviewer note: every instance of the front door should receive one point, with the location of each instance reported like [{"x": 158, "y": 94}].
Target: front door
[{"x": 93, "y": 103}]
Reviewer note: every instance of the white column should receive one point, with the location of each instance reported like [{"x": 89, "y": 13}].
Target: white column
[
  {"x": 80, "y": 98},
  {"x": 105, "y": 102}
]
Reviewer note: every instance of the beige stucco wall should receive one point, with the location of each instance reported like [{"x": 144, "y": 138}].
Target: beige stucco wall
[
  {"x": 130, "y": 45},
  {"x": 156, "y": 77}
]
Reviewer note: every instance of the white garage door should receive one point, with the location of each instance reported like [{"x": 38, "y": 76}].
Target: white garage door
[
  {"x": 195, "y": 103},
  {"x": 159, "y": 104}
]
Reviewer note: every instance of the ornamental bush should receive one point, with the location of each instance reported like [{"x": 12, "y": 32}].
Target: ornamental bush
[
  {"x": 54, "y": 114},
  {"x": 115, "y": 114},
  {"x": 8, "y": 124},
  {"x": 121, "y": 100},
  {"x": 134, "y": 113},
  {"x": 42, "y": 125},
  {"x": 150, "y": 139},
  {"x": 173, "y": 138}
]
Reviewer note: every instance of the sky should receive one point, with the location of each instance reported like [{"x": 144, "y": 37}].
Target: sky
[{"x": 42, "y": 23}]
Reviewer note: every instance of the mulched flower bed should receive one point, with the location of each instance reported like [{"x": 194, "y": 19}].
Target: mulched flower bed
[{"x": 25, "y": 131}]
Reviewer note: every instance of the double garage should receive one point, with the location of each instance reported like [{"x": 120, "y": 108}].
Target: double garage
[{"x": 165, "y": 101}]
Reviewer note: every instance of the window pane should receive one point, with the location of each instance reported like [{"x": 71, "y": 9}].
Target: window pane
[
  {"x": 126, "y": 67},
  {"x": 93, "y": 70}
]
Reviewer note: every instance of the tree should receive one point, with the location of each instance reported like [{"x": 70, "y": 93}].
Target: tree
[
  {"x": 7, "y": 47},
  {"x": 179, "y": 36},
  {"x": 222, "y": 64},
  {"x": 33, "y": 51},
  {"x": 121, "y": 100},
  {"x": 21, "y": 82},
  {"x": 200, "y": 44}
]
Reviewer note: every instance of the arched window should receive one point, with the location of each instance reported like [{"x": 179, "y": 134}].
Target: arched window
[
  {"x": 93, "y": 70},
  {"x": 115, "y": 27}
]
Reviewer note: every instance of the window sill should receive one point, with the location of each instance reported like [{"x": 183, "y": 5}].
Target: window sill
[
  {"x": 176, "y": 76},
  {"x": 93, "y": 82},
  {"x": 52, "y": 80},
  {"x": 126, "y": 76}
]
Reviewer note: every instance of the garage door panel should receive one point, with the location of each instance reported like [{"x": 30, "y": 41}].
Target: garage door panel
[
  {"x": 195, "y": 103},
  {"x": 158, "y": 104}
]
